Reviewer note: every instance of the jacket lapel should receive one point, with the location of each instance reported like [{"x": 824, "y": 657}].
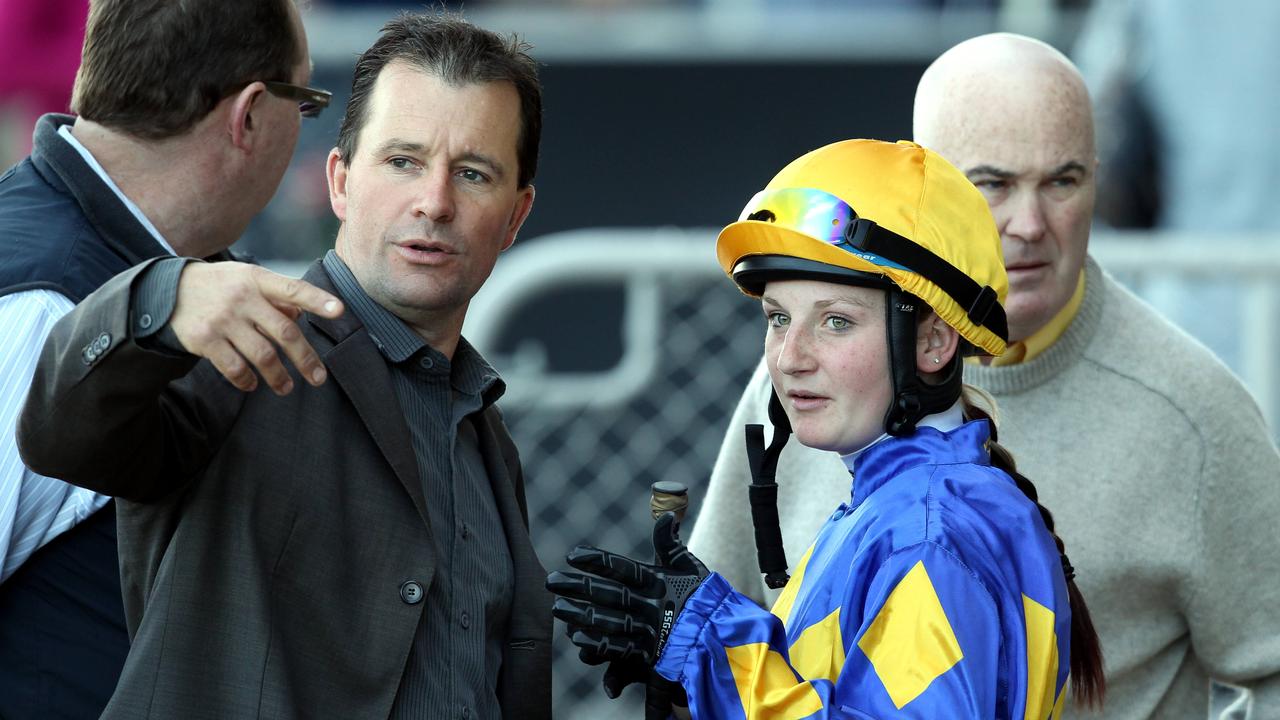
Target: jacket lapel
[{"x": 361, "y": 371}]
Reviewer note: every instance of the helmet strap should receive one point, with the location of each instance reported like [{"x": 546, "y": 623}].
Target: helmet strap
[
  {"x": 763, "y": 493},
  {"x": 913, "y": 398}
]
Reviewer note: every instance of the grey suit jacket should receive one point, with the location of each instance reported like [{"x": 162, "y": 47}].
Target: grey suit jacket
[{"x": 264, "y": 540}]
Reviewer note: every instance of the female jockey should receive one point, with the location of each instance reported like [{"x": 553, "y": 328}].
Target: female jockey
[{"x": 940, "y": 590}]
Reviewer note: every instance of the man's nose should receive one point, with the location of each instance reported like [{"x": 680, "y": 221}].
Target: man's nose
[
  {"x": 1025, "y": 220},
  {"x": 435, "y": 198}
]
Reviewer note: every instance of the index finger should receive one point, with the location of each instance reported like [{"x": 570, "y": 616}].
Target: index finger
[
  {"x": 281, "y": 290},
  {"x": 611, "y": 565}
]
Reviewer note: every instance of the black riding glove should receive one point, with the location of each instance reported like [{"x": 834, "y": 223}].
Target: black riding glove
[{"x": 621, "y": 610}]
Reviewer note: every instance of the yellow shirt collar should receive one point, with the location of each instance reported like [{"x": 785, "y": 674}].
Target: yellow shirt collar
[{"x": 1045, "y": 337}]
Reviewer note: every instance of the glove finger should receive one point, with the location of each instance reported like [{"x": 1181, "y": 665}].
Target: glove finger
[
  {"x": 604, "y": 619},
  {"x": 588, "y": 656},
  {"x": 616, "y": 567},
  {"x": 611, "y": 647},
  {"x": 600, "y": 591},
  {"x": 603, "y": 593},
  {"x": 670, "y": 551}
]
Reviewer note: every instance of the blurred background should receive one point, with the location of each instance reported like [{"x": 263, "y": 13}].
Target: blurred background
[{"x": 623, "y": 346}]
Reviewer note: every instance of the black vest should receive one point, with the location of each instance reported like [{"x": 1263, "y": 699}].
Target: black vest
[{"x": 62, "y": 631}]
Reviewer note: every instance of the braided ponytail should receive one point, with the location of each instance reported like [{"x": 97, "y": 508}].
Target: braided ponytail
[{"x": 1088, "y": 686}]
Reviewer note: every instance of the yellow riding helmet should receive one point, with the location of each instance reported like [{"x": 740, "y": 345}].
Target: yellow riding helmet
[{"x": 873, "y": 212}]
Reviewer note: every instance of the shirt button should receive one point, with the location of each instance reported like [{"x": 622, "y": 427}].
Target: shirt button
[
  {"x": 466, "y": 712},
  {"x": 466, "y": 621},
  {"x": 426, "y": 363},
  {"x": 144, "y": 322},
  {"x": 411, "y": 592},
  {"x": 466, "y": 532}
]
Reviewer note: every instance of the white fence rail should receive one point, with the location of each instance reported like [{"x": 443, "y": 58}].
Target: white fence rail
[{"x": 640, "y": 260}]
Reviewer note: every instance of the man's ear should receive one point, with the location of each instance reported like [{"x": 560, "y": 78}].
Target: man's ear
[
  {"x": 936, "y": 343},
  {"x": 519, "y": 213},
  {"x": 242, "y": 125},
  {"x": 335, "y": 171}
]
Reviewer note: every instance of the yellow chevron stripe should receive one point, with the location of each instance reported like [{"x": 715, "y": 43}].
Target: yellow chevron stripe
[
  {"x": 1042, "y": 661},
  {"x": 767, "y": 686},
  {"x": 911, "y": 643},
  {"x": 782, "y": 606},
  {"x": 819, "y": 651}
]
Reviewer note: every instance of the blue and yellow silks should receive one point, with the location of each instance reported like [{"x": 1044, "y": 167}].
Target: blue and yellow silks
[{"x": 937, "y": 593}]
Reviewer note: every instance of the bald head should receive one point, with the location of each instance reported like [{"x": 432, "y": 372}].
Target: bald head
[
  {"x": 1014, "y": 115},
  {"x": 995, "y": 84}
]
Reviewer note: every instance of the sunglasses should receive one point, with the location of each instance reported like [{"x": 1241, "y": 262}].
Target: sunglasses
[{"x": 310, "y": 100}]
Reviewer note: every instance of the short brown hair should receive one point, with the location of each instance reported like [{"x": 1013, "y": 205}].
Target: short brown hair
[
  {"x": 154, "y": 68},
  {"x": 459, "y": 53}
]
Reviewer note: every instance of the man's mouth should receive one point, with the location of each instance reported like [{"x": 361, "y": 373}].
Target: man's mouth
[
  {"x": 425, "y": 252},
  {"x": 426, "y": 246}
]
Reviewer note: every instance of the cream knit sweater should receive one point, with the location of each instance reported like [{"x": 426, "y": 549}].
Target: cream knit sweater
[{"x": 1160, "y": 473}]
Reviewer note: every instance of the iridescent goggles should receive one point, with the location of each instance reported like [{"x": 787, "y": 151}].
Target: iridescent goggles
[
  {"x": 827, "y": 218},
  {"x": 821, "y": 216}
]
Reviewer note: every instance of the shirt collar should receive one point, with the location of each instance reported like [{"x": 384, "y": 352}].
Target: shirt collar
[
  {"x": 885, "y": 460},
  {"x": 65, "y": 132},
  {"x": 945, "y": 421},
  {"x": 468, "y": 373},
  {"x": 1045, "y": 337}
]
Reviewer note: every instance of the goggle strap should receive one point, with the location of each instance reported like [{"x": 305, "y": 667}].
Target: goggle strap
[{"x": 981, "y": 303}]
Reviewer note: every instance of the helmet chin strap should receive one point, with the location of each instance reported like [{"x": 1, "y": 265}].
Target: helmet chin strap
[
  {"x": 763, "y": 493},
  {"x": 913, "y": 399}
]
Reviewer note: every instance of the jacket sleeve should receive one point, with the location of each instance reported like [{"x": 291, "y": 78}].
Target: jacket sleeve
[
  {"x": 916, "y": 637},
  {"x": 105, "y": 414}
]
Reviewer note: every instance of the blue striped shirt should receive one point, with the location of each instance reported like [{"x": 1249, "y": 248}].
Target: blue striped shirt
[{"x": 35, "y": 509}]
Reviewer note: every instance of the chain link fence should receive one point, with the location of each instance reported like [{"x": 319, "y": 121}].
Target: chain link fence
[{"x": 592, "y": 442}]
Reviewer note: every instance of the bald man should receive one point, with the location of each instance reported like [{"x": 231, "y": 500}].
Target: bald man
[{"x": 1153, "y": 458}]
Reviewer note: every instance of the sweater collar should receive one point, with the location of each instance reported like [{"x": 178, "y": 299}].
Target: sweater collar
[{"x": 1059, "y": 356}]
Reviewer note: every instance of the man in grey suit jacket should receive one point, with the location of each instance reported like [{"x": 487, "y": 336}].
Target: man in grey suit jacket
[{"x": 356, "y": 548}]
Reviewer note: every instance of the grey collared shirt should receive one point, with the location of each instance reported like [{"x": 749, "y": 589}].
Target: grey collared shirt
[{"x": 452, "y": 671}]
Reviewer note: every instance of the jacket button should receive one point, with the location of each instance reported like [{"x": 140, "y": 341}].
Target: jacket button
[
  {"x": 144, "y": 322},
  {"x": 411, "y": 592},
  {"x": 103, "y": 342}
]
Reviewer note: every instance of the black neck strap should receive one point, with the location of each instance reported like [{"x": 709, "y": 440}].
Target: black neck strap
[{"x": 912, "y": 397}]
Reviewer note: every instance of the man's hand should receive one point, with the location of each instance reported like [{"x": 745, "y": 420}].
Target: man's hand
[{"x": 241, "y": 316}]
